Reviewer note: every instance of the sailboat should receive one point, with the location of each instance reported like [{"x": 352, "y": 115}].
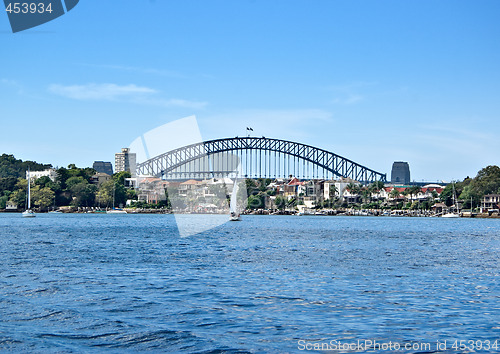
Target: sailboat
[
  {"x": 114, "y": 210},
  {"x": 233, "y": 205},
  {"x": 28, "y": 213},
  {"x": 453, "y": 214}
]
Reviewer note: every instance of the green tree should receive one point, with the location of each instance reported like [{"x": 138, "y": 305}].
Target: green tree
[
  {"x": 332, "y": 196},
  {"x": 19, "y": 195},
  {"x": 42, "y": 197},
  {"x": 3, "y": 201},
  {"x": 83, "y": 194},
  {"x": 366, "y": 194},
  {"x": 435, "y": 195},
  {"x": 447, "y": 194},
  {"x": 378, "y": 186},
  {"x": 451, "y": 191},
  {"x": 332, "y": 192},
  {"x": 406, "y": 193},
  {"x": 280, "y": 202},
  {"x": 353, "y": 188},
  {"x": 413, "y": 191},
  {"x": 12, "y": 167},
  {"x": 132, "y": 194},
  {"x": 487, "y": 181},
  {"x": 251, "y": 187},
  {"x": 395, "y": 193},
  {"x": 105, "y": 194},
  {"x": 72, "y": 181},
  {"x": 120, "y": 195},
  {"x": 109, "y": 191},
  {"x": 85, "y": 172},
  {"x": 7, "y": 184},
  {"x": 62, "y": 177},
  {"x": 120, "y": 177},
  {"x": 255, "y": 202},
  {"x": 45, "y": 182}
]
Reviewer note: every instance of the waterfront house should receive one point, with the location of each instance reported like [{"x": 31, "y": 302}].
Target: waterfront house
[
  {"x": 439, "y": 208},
  {"x": 188, "y": 186},
  {"x": 10, "y": 206},
  {"x": 393, "y": 196},
  {"x": 291, "y": 189},
  {"x": 339, "y": 185},
  {"x": 99, "y": 178},
  {"x": 428, "y": 191},
  {"x": 490, "y": 203},
  {"x": 151, "y": 190},
  {"x": 350, "y": 197}
]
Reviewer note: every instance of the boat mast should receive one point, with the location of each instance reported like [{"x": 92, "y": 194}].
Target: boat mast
[
  {"x": 29, "y": 188},
  {"x": 455, "y": 199}
]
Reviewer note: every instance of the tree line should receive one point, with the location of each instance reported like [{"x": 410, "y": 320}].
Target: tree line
[{"x": 73, "y": 186}]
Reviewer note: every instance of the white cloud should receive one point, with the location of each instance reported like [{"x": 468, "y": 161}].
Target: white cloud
[
  {"x": 348, "y": 94},
  {"x": 113, "y": 92},
  {"x": 141, "y": 70},
  {"x": 13, "y": 84},
  {"x": 172, "y": 102},
  {"x": 99, "y": 91},
  {"x": 349, "y": 99}
]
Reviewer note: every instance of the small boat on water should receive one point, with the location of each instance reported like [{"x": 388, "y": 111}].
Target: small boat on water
[
  {"x": 28, "y": 213},
  {"x": 233, "y": 205},
  {"x": 305, "y": 211},
  {"x": 116, "y": 211}
]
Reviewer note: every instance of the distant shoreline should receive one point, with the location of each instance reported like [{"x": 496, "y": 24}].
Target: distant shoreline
[{"x": 465, "y": 215}]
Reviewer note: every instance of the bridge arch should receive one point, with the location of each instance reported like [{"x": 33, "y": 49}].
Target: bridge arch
[{"x": 166, "y": 164}]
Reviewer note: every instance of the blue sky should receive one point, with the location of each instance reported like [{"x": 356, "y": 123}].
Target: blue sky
[{"x": 373, "y": 81}]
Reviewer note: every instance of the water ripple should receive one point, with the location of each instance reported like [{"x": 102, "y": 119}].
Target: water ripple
[{"x": 77, "y": 283}]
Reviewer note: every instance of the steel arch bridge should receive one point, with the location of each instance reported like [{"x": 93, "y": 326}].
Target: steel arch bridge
[{"x": 259, "y": 157}]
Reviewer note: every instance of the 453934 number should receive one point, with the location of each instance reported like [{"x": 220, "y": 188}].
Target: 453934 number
[
  {"x": 474, "y": 345},
  {"x": 25, "y": 7}
]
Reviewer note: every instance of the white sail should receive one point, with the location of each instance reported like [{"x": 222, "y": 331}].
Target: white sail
[
  {"x": 233, "y": 204},
  {"x": 29, "y": 188},
  {"x": 28, "y": 212}
]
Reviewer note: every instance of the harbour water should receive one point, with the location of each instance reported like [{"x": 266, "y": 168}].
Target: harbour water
[{"x": 73, "y": 283}]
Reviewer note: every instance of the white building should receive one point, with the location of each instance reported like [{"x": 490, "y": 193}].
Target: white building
[
  {"x": 151, "y": 189},
  {"x": 51, "y": 173},
  {"x": 125, "y": 161},
  {"x": 340, "y": 187},
  {"x": 10, "y": 206},
  {"x": 491, "y": 202}
]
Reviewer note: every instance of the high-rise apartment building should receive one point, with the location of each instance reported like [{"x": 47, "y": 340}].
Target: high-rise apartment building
[
  {"x": 125, "y": 161},
  {"x": 103, "y": 167},
  {"x": 400, "y": 173}
]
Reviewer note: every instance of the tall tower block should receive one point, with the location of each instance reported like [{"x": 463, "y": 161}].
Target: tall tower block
[
  {"x": 400, "y": 173},
  {"x": 125, "y": 161}
]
